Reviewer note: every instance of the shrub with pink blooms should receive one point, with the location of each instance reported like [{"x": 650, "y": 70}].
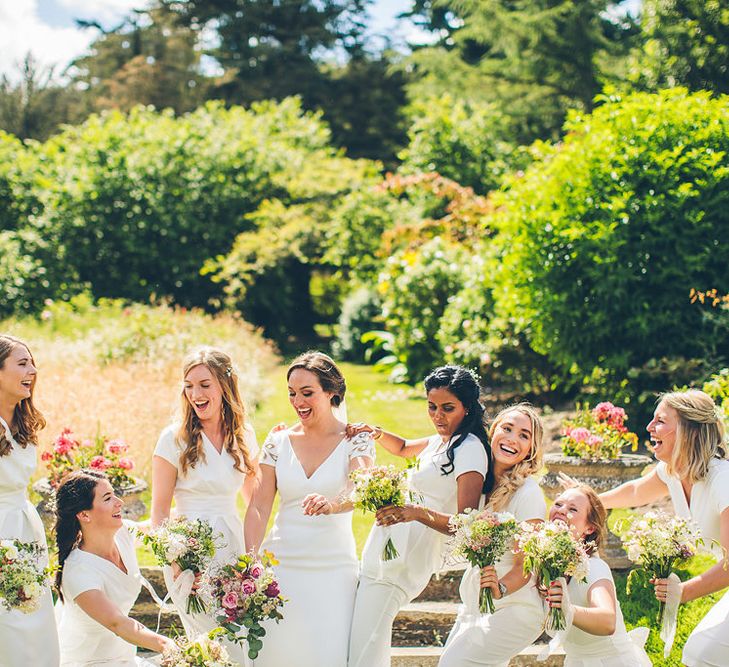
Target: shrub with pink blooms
[
  {"x": 597, "y": 433},
  {"x": 242, "y": 595},
  {"x": 69, "y": 453}
]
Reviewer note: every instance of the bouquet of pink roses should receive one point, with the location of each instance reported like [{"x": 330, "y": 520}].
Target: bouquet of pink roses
[
  {"x": 23, "y": 578},
  {"x": 243, "y": 594}
]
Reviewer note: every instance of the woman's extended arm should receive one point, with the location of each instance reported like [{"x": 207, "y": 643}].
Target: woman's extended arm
[
  {"x": 393, "y": 443},
  {"x": 635, "y": 493},
  {"x": 259, "y": 510},
  {"x": 98, "y": 606},
  {"x": 315, "y": 504},
  {"x": 599, "y": 618}
]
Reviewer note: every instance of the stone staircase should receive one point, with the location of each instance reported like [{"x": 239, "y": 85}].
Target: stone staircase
[{"x": 419, "y": 631}]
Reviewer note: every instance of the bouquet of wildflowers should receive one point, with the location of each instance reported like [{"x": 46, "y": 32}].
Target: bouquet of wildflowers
[
  {"x": 203, "y": 651},
  {"x": 599, "y": 433},
  {"x": 23, "y": 578},
  {"x": 242, "y": 595},
  {"x": 378, "y": 487},
  {"x": 190, "y": 544},
  {"x": 657, "y": 541},
  {"x": 68, "y": 453},
  {"x": 483, "y": 538},
  {"x": 551, "y": 550}
]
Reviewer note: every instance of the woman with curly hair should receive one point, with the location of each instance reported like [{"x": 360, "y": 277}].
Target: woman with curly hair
[
  {"x": 203, "y": 462},
  {"x": 20, "y": 422}
]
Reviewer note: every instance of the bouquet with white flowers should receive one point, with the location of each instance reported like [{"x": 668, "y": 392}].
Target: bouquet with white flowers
[
  {"x": 203, "y": 651},
  {"x": 656, "y": 542},
  {"x": 190, "y": 544},
  {"x": 482, "y": 538},
  {"x": 23, "y": 577},
  {"x": 551, "y": 550},
  {"x": 378, "y": 487}
]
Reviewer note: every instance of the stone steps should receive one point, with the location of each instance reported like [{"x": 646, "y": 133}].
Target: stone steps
[{"x": 428, "y": 656}]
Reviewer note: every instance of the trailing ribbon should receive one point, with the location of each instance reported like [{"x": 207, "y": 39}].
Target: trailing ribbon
[
  {"x": 670, "y": 613},
  {"x": 569, "y": 614}
]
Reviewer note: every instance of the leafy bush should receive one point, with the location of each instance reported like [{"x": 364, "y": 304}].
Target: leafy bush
[
  {"x": 359, "y": 312},
  {"x": 602, "y": 238},
  {"x": 717, "y": 386}
]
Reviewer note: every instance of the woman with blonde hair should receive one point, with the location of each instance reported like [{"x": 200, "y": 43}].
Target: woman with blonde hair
[
  {"x": 20, "y": 422},
  {"x": 687, "y": 431},
  {"x": 493, "y": 639},
  {"x": 203, "y": 462}
]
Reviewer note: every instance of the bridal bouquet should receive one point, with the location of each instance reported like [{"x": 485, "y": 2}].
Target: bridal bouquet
[
  {"x": 483, "y": 538},
  {"x": 190, "y": 544},
  {"x": 657, "y": 541},
  {"x": 242, "y": 595},
  {"x": 551, "y": 550},
  {"x": 203, "y": 651},
  {"x": 23, "y": 578},
  {"x": 378, "y": 487}
]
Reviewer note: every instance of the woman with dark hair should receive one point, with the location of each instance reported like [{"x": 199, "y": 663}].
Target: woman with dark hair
[
  {"x": 452, "y": 471},
  {"x": 204, "y": 461},
  {"x": 309, "y": 465},
  {"x": 20, "y": 422},
  {"x": 98, "y": 577}
]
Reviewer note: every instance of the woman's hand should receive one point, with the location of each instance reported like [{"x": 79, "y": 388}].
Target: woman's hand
[
  {"x": 489, "y": 579},
  {"x": 360, "y": 427},
  {"x": 177, "y": 571},
  {"x": 665, "y": 588},
  {"x": 566, "y": 481},
  {"x": 392, "y": 514},
  {"x": 166, "y": 644},
  {"x": 554, "y": 595},
  {"x": 315, "y": 505}
]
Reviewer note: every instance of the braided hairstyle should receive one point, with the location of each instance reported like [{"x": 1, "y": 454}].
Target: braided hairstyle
[
  {"x": 75, "y": 494},
  {"x": 463, "y": 385}
]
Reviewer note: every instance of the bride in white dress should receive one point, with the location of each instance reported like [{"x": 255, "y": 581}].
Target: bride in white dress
[
  {"x": 20, "y": 422},
  {"x": 203, "y": 462},
  {"x": 309, "y": 465},
  {"x": 98, "y": 578}
]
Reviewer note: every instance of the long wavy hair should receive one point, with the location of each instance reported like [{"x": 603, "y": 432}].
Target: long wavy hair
[
  {"x": 189, "y": 435},
  {"x": 513, "y": 478},
  {"x": 463, "y": 385},
  {"x": 74, "y": 494},
  {"x": 328, "y": 373},
  {"x": 27, "y": 419},
  {"x": 699, "y": 435}
]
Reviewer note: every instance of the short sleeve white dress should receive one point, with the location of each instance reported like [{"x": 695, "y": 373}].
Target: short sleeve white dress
[
  {"x": 385, "y": 586},
  {"x": 19, "y": 520},
  {"x": 708, "y": 644},
  {"x": 493, "y": 639},
  {"x": 585, "y": 650},
  {"x": 209, "y": 492},
  {"x": 317, "y": 567},
  {"x": 84, "y": 641}
]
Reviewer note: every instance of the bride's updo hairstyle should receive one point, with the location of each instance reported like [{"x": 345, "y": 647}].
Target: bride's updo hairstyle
[
  {"x": 328, "y": 373},
  {"x": 75, "y": 494},
  {"x": 699, "y": 435}
]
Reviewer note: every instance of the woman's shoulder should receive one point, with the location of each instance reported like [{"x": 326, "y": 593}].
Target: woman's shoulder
[
  {"x": 472, "y": 441},
  {"x": 599, "y": 569}
]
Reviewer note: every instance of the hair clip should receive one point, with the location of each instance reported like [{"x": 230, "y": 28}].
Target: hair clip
[{"x": 228, "y": 371}]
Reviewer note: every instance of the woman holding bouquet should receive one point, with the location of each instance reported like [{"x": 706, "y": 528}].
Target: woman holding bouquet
[
  {"x": 688, "y": 438},
  {"x": 452, "y": 466},
  {"x": 309, "y": 465},
  {"x": 203, "y": 462},
  {"x": 595, "y": 635},
  {"x": 493, "y": 639},
  {"x": 98, "y": 577},
  {"x": 20, "y": 422}
]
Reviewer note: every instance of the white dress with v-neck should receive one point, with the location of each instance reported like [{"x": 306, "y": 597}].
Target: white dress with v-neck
[
  {"x": 84, "y": 641},
  {"x": 208, "y": 491},
  {"x": 317, "y": 558},
  {"x": 19, "y": 520}
]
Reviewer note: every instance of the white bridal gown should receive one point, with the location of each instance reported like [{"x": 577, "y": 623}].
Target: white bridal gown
[
  {"x": 20, "y": 633},
  {"x": 708, "y": 644},
  {"x": 385, "y": 586},
  {"x": 208, "y": 491},
  {"x": 318, "y": 560},
  {"x": 84, "y": 641}
]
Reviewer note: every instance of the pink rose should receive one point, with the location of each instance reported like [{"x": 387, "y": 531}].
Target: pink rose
[
  {"x": 272, "y": 590},
  {"x": 256, "y": 571},
  {"x": 248, "y": 587},
  {"x": 580, "y": 434},
  {"x": 117, "y": 447},
  {"x": 126, "y": 463},
  {"x": 100, "y": 463},
  {"x": 46, "y": 456},
  {"x": 594, "y": 440},
  {"x": 230, "y": 601}
]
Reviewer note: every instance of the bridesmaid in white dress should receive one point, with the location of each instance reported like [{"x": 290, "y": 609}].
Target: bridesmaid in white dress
[
  {"x": 203, "y": 462},
  {"x": 596, "y": 634},
  {"x": 98, "y": 580},
  {"x": 309, "y": 465},
  {"x": 688, "y": 437},
  {"x": 451, "y": 468},
  {"x": 20, "y": 422},
  {"x": 491, "y": 640}
]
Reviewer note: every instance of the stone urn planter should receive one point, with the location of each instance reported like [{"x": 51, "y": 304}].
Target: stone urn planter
[
  {"x": 601, "y": 475},
  {"x": 134, "y": 507}
]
